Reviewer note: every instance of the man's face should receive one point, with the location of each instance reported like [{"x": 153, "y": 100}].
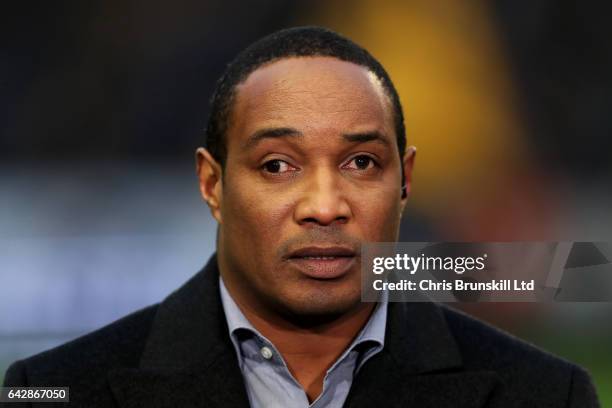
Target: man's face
[{"x": 312, "y": 172}]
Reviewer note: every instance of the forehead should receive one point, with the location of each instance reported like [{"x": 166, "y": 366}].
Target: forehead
[{"x": 319, "y": 94}]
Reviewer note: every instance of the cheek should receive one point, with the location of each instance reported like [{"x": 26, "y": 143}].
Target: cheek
[
  {"x": 378, "y": 215},
  {"x": 253, "y": 217}
]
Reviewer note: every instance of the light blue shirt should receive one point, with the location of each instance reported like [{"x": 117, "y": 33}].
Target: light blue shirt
[{"x": 268, "y": 381}]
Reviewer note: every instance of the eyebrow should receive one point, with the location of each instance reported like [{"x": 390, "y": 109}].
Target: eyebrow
[
  {"x": 363, "y": 137},
  {"x": 271, "y": 133},
  {"x": 283, "y": 132}
]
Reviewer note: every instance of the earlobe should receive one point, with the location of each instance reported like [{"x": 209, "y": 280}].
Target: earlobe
[{"x": 210, "y": 174}]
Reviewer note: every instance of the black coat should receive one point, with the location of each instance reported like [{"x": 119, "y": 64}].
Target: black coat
[{"x": 178, "y": 354}]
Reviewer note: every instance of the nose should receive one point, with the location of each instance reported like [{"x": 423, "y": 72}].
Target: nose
[{"x": 323, "y": 202}]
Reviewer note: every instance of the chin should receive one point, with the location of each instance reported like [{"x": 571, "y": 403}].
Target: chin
[{"x": 320, "y": 305}]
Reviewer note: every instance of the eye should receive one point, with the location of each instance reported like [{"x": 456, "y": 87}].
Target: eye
[
  {"x": 277, "y": 166},
  {"x": 361, "y": 162}
]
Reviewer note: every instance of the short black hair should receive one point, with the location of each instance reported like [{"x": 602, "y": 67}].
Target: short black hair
[{"x": 308, "y": 41}]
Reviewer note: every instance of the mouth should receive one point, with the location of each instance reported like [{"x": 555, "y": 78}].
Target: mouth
[{"x": 323, "y": 263}]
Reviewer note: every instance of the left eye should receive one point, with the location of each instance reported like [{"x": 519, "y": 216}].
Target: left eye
[
  {"x": 277, "y": 166},
  {"x": 361, "y": 162}
]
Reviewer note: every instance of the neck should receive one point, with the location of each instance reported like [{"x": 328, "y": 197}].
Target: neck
[
  {"x": 309, "y": 350},
  {"x": 331, "y": 337}
]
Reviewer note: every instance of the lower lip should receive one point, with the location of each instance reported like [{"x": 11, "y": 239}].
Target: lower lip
[{"x": 324, "y": 268}]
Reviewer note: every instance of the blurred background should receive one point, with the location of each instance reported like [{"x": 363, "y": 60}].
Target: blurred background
[{"x": 102, "y": 104}]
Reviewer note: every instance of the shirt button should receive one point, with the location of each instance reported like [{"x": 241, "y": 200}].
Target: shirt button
[{"x": 266, "y": 352}]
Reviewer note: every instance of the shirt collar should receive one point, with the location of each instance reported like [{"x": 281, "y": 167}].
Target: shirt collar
[{"x": 372, "y": 332}]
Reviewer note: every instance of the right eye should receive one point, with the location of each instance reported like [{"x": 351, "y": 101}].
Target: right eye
[{"x": 277, "y": 166}]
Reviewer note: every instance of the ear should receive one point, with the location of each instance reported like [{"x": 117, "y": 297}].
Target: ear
[
  {"x": 210, "y": 176},
  {"x": 408, "y": 165}
]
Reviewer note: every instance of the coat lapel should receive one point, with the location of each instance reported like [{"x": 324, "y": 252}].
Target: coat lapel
[
  {"x": 420, "y": 366},
  {"x": 188, "y": 360}
]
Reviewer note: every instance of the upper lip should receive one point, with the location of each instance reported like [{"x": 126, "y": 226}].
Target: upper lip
[{"x": 315, "y": 251}]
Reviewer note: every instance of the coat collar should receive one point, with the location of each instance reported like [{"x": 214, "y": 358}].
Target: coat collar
[
  {"x": 189, "y": 360},
  {"x": 420, "y": 366}
]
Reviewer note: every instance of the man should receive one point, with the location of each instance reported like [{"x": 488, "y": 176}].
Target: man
[{"x": 305, "y": 160}]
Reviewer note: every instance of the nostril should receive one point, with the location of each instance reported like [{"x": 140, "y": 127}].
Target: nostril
[
  {"x": 342, "y": 220},
  {"x": 318, "y": 221},
  {"x": 311, "y": 210}
]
